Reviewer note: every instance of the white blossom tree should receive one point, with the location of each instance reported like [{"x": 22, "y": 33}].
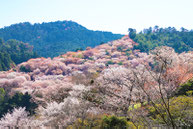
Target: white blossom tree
[
  {"x": 66, "y": 112},
  {"x": 18, "y": 118}
]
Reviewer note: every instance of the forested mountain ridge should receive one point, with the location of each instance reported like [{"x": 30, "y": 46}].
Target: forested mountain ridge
[
  {"x": 14, "y": 52},
  {"x": 181, "y": 40},
  {"x": 56, "y": 38}
]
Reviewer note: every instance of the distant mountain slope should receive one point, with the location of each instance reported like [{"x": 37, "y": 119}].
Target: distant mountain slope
[
  {"x": 14, "y": 52},
  {"x": 112, "y": 54},
  {"x": 55, "y": 38},
  {"x": 150, "y": 38}
]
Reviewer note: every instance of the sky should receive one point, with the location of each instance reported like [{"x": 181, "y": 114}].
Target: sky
[{"x": 106, "y": 15}]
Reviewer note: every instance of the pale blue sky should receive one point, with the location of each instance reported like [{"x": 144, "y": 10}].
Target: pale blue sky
[{"x": 108, "y": 15}]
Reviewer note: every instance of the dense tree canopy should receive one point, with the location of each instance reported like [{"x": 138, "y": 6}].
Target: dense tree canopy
[
  {"x": 55, "y": 38},
  {"x": 14, "y": 52},
  {"x": 8, "y": 103},
  {"x": 109, "y": 86},
  {"x": 150, "y": 38}
]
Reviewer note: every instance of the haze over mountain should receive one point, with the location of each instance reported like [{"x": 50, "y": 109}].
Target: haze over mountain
[{"x": 56, "y": 38}]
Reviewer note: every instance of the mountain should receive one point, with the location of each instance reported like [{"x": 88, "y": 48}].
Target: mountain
[
  {"x": 150, "y": 38},
  {"x": 14, "y": 52},
  {"x": 56, "y": 38}
]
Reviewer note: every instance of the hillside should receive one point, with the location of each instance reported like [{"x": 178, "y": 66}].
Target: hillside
[
  {"x": 14, "y": 52},
  {"x": 111, "y": 54},
  {"x": 83, "y": 66},
  {"x": 148, "y": 39},
  {"x": 95, "y": 84},
  {"x": 55, "y": 38}
]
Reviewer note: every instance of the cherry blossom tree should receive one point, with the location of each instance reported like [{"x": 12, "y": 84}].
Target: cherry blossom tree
[
  {"x": 18, "y": 118},
  {"x": 66, "y": 112},
  {"x": 153, "y": 81}
]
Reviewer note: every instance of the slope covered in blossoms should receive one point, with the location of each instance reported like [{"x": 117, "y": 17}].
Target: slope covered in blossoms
[
  {"x": 118, "y": 52},
  {"x": 109, "y": 78},
  {"x": 46, "y": 74},
  {"x": 74, "y": 67}
]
